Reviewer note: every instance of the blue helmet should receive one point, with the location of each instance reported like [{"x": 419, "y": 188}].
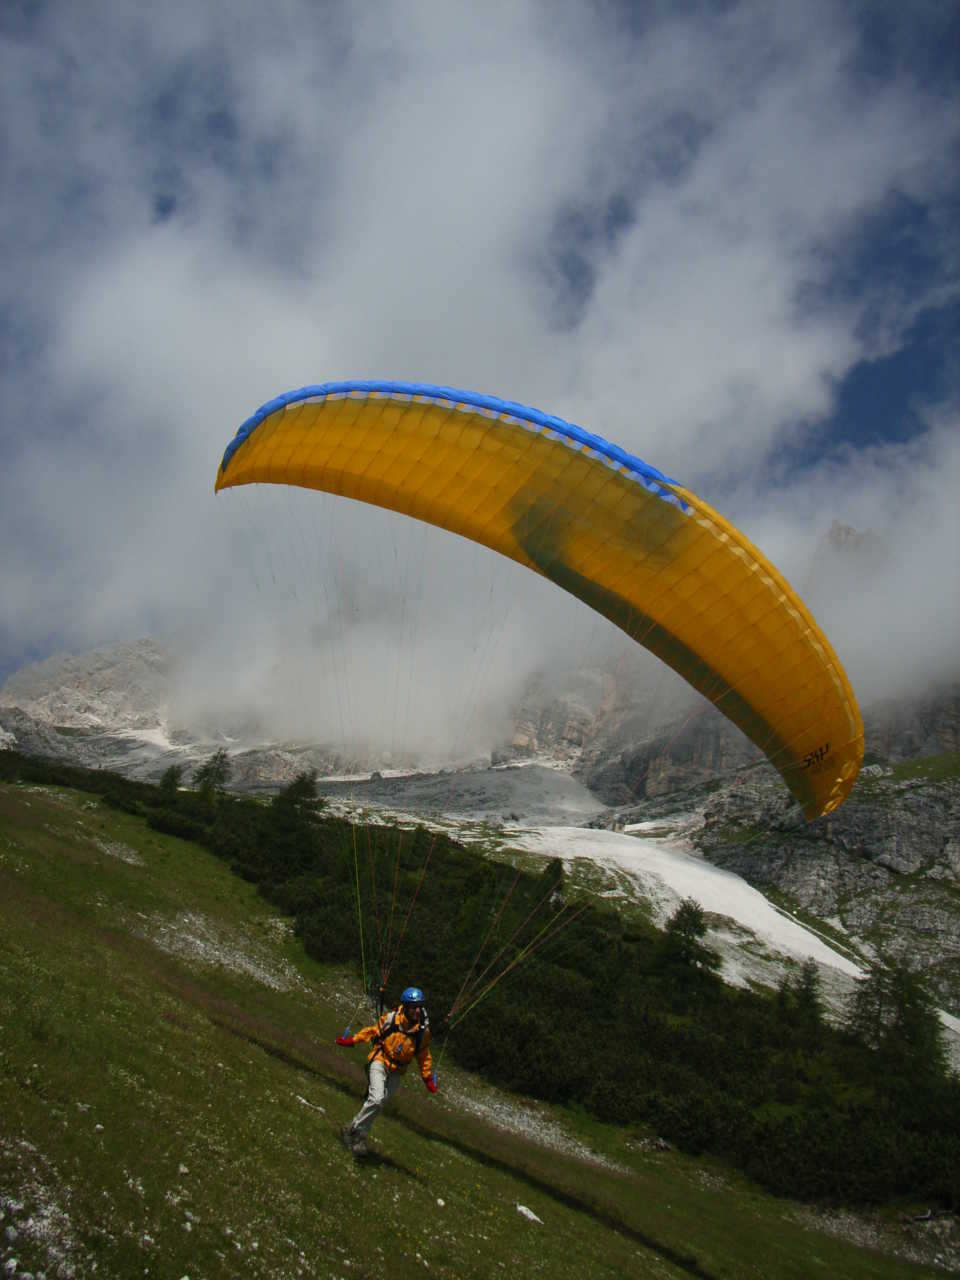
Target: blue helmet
[{"x": 412, "y": 995}]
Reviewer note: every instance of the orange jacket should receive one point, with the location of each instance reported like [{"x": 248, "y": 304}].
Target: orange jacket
[{"x": 398, "y": 1047}]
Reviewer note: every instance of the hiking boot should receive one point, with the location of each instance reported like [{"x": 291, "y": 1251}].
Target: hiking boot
[{"x": 353, "y": 1141}]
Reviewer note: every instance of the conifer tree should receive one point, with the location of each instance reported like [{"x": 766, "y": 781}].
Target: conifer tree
[
  {"x": 683, "y": 937},
  {"x": 893, "y": 1012},
  {"x": 171, "y": 779},
  {"x": 211, "y": 777}
]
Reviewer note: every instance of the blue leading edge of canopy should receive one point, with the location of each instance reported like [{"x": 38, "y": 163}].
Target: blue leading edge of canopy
[{"x": 649, "y": 476}]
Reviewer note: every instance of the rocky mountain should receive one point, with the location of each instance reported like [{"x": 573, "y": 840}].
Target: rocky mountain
[
  {"x": 116, "y": 708},
  {"x": 121, "y": 687},
  {"x": 881, "y": 874}
]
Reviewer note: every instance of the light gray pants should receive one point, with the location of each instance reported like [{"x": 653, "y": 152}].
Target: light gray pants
[{"x": 383, "y": 1085}]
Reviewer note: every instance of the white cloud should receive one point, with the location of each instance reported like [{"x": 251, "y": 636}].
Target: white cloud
[
  {"x": 891, "y": 609},
  {"x": 637, "y": 229}
]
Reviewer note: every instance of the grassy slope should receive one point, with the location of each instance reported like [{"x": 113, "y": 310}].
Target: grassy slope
[{"x": 165, "y": 1112}]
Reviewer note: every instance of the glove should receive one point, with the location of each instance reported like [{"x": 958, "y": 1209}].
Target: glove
[
  {"x": 346, "y": 1041},
  {"x": 431, "y": 1084}
]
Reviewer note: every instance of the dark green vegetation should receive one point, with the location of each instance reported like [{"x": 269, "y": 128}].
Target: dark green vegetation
[{"x": 604, "y": 1015}]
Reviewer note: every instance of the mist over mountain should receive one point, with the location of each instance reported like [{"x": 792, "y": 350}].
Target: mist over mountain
[{"x": 602, "y": 708}]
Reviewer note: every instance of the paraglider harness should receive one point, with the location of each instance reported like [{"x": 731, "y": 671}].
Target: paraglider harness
[{"x": 390, "y": 1028}]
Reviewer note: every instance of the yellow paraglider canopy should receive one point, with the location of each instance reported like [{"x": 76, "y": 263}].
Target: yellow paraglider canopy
[{"x": 630, "y": 542}]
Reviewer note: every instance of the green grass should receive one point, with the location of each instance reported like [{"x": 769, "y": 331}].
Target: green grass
[
  {"x": 925, "y": 769},
  {"x": 930, "y": 769},
  {"x": 170, "y": 1099}
]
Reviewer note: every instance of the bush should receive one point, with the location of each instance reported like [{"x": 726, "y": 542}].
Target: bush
[
  {"x": 116, "y": 798},
  {"x": 174, "y": 823}
]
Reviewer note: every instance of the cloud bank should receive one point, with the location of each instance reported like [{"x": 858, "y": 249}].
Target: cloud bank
[{"x": 682, "y": 232}]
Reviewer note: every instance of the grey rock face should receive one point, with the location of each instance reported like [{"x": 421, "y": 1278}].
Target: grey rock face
[
  {"x": 120, "y": 687},
  {"x": 883, "y": 867},
  {"x": 905, "y": 827},
  {"x": 897, "y": 731}
]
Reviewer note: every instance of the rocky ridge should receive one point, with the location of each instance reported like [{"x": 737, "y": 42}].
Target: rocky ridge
[
  {"x": 882, "y": 872},
  {"x": 114, "y": 708},
  {"x": 116, "y": 687}
]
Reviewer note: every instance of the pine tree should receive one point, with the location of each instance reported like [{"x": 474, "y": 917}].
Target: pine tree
[
  {"x": 171, "y": 780},
  {"x": 211, "y": 777},
  {"x": 300, "y": 794},
  {"x": 893, "y": 1012},
  {"x": 683, "y": 934}
]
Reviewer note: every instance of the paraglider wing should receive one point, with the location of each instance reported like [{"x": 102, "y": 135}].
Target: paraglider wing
[{"x": 630, "y": 542}]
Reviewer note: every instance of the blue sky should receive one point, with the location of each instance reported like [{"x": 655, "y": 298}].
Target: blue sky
[{"x": 725, "y": 236}]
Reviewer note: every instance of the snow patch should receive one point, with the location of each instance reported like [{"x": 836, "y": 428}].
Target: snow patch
[
  {"x": 665, "y": 875},
  {"x": 156, "y": 736}
]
